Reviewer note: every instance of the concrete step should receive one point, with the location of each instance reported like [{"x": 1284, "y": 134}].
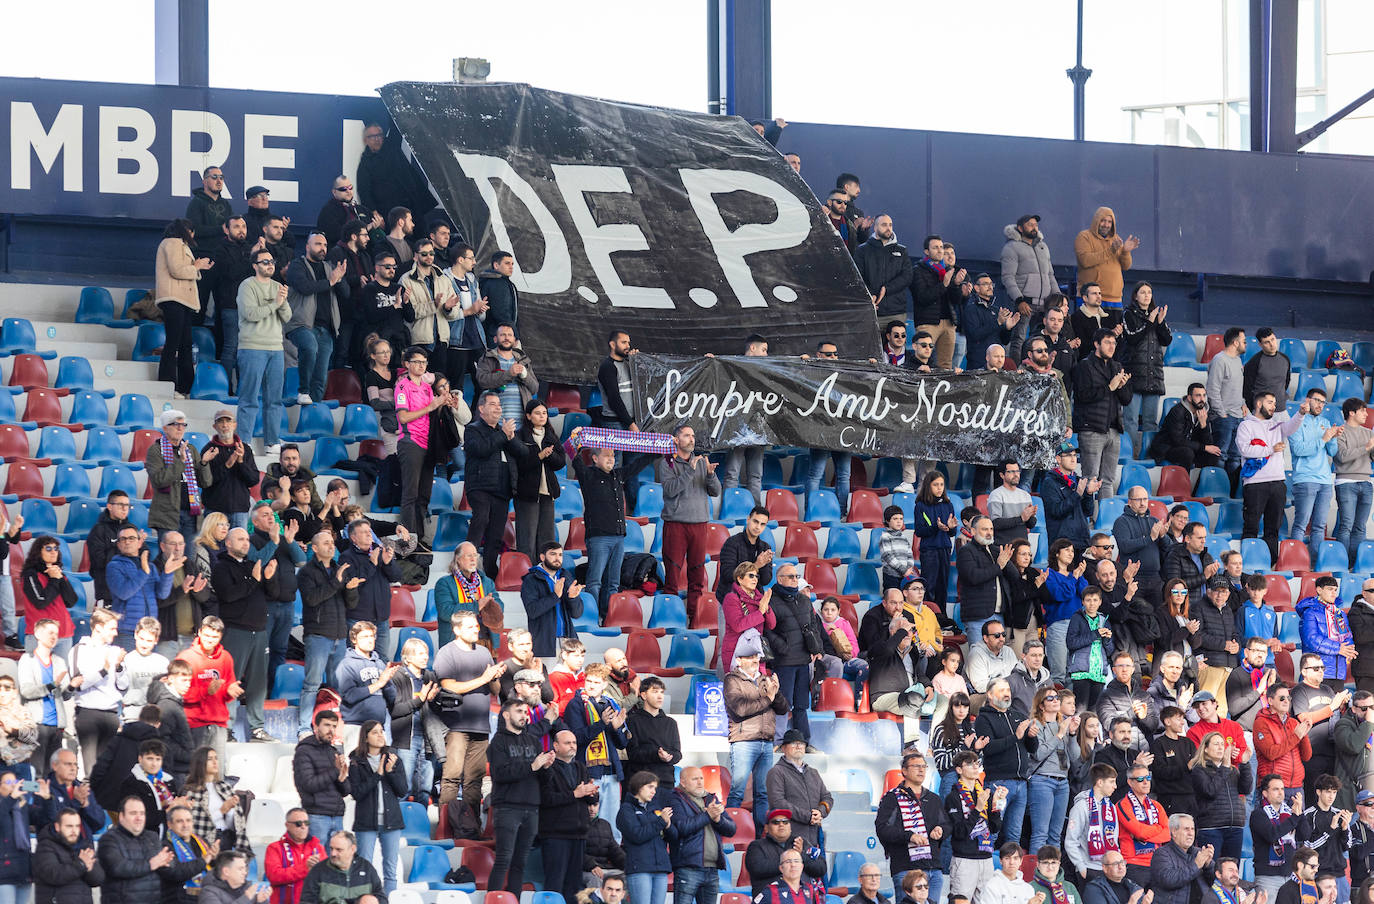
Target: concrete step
[
  {"x": 49, "y": 300},
  {"x": 63, "y": 333},
  {"x": 88, "y": 350}
]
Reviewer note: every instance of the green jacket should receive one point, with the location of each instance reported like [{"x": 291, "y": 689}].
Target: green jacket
[
  {"x": 327, "y": 884},
  {"x": 168, "y": 481}
]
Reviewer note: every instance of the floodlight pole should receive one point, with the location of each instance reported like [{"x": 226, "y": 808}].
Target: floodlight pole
[{"x": 1079, "y": 76}]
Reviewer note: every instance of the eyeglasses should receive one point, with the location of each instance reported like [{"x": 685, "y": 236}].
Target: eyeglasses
[
  {"x": 1314, "y": 668},
  {"x": 778, "y": 822},
  {"x": 827, "y": 354},
  {"x": 217, "y": 177},
  {"x": 51, "y": 548},
  {"x": 386, "y": 266},
  {"x": 924, "y": 344},
  {"x": 128, "y": 537},
  {"x": 1141, "y": 778},
  {"x": 269, "y": 262},
  {"x": 344, "y": 188},
  {"x": 1281, "y": 698},
  {"x": 298, "y": 822},
  {"x": 787, "y": 577},
  {"x": 748, "y": 577},
  {"x": 920, "y": 885},
  {"x": 1049, "y": 697},
  {"x": 839, "y": 202},
  {"x": 424, "y": 254},
  {"x": 1102, "y": 546},
  {"x": 177, "y": 424},
  {"x": 117, "y": 504}
]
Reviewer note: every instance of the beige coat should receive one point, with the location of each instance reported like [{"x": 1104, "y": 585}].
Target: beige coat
[
  {"x": 431, "y": 320},
  {"x": 176, "y": 274}
]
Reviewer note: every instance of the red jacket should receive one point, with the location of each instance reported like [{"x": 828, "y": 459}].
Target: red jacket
[
  {"x": 203, "y": 707},
  {"x": 1228, "y": 728},
  {"x": 1280, "y": 750},
  {"x": 285, "y": 864},
  {"x": 1139, "y": 839}
]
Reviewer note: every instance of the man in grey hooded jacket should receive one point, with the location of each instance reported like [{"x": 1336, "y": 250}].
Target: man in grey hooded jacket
[{"x": 1027, "y": 276}]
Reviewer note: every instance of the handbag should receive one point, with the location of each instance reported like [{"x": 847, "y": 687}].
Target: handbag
[
  {"x": 840, "y": 642},
  {"x": 812, "y": 636}
]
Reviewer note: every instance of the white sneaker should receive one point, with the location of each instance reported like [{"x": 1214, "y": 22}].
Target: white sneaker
[
  {"x": 180, "y": 395},
  {"x": 303, "y": 399},
  {"x": 274, "y": 449},
  {"x": 904, "y": 488}
]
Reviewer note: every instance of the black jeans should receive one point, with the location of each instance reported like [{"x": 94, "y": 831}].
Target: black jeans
[
  {"x": 514, "y": 828},
  {"x": 176, "y": 365},
  {"x": 563, "y": 865},
  {"x": 488, "y": 527},
  {"x": 417, "y": 482},
  {"x": 1264, "y": 500},
  {"x": 95, "y": 728},
  {"x": 534, "y": 525}
]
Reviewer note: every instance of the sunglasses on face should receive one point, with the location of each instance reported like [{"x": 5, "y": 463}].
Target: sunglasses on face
[
  {"x": 1179, "y": 592},
  {"x": 998, "y": 636},
  {"x": 298, "y": 822}
]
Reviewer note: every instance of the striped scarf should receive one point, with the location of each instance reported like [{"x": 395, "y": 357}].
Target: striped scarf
[
  {"x": 1102, "y": 829},
  {"x": 1278, "y": 854},
  {"x": 622, "y": 440},
  {"x": 1147, "y": 812},
  {"x": 913, "y": 821},
  {"x": 968, "y": 799},
  {"x": 188, "y": 472},
  {"x": 187, "y": 850}
]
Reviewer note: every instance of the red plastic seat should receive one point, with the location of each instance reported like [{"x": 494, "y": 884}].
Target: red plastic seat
[
  {"x": 865, "y": 508},
  {"x": 1283, "y": 663},
  {"x": 1293, "y": 556},
  {"x": 25, "y": 480},
  {"x": 744, "y": 833},
  {"x": 1215, "y": 343},
  {"x": 1277, "y": 593},
  {"x": 820, "y": 574},
  {"x": 1174, "y": 481},
  {"x": 14, "y": 442},
  {"x": 373, "y": 448},
  {"x": 1158, "y": 510},
  {"x": 782, "y": 506},
  {"x": 512, "y": 570},
  {"x": 343, "y": 387},
  {"x": 564, "y": 397},
  {"x": 646, "y": 657},
  {"x": 716, "y": 535},
  {"x": 30, "y": 372},
  {"x": 980, "y": 502},
  {"x": 706, "y": 615},
  {"x": 837, "y": 696},
  {"x": 479, "y": 859},
  {"x": 717, "y": 779},
  {"x": 45, "y": 407},
  {"x": 577, "y": 535},
  {"x": 800, "y": 543},
  {"x": 623, "y": 611},
  {"x": 402, "y": 604},
  {"x": 1307, "y": 588},
  {"x": 891, "y": 779},
  {"x": 142, "y": 440}
]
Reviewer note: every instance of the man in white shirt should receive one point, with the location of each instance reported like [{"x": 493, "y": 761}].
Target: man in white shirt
[{"x": 993, "y": 658}]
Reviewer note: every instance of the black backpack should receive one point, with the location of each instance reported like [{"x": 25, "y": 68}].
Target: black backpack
[{"x": 638, "y": 569}]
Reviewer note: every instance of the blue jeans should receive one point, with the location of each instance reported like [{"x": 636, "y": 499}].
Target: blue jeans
[
  {"x": 314, "y": 346},
  {"x": 609, "y": 791},
  {"x": 229, "y": 351},
  {"x": 280, "y": 617},
  {"x": 1140, "y": 415},
  {"x": 695, "y": 884},
  {"x": 261, "y": 375},
  {"x": 1057, "y": 650},
  {"x": 19, "y": 894},
  {"x": 843, "y": 462},
  {"x": 419, "y": 767},
  {"x": 322, "y": 656},
  {"x": 1352, "y": 513},
  {"x": 1311, "y": 502},
  {"x": 794, "y": 683},
  {"x": 1015, "y": 813},
  {"x": 750, "y": 758},
  {"x": 1224, "y": 432},
  {"x": 605, "y": 556},
  {"x": 648, "y": 888},
  {"x": 391, "y": 853},
  {"x": 1049, "y": 801},
  {"x": 238, "y": 519},
  {"x": 322, "y": 827}
]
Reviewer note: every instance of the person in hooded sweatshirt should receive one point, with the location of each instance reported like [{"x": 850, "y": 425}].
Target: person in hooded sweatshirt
[
  {"x": 494, "y": 284},
  {"x": 1104, "y": 257},
  {"x": 363, "y": 679},
  {"x": 886, "y": 268}
]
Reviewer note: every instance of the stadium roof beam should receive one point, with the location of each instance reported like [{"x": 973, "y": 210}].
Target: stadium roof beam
[
  {"x": 1274, "y": 76},
  {"x": 181, "y": 46},
  {"x": 739, "y": 58}
]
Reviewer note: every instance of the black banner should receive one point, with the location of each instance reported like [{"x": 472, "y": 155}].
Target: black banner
[
  {"x": 982, "y": 417},
  {"x": 686, "y": 230}
]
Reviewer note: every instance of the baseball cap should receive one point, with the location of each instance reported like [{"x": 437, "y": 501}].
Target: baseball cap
[
  {"x": 1066, "y": 448},
  {"x": 529, "y": 676},
  {"x": 1027, "y": 217},
  {"x": 224, "y": 413},
  {"x": 1203, "y": 697}
]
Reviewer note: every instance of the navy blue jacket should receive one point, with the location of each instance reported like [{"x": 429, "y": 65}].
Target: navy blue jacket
[
  {"x": 980, "y": 327},
  {"x": 687, "y": 831},
  {"x": 1080, "y": 640},
  {"x": 1066, "y": 512},
  {"x": 352, "y": 677},
  {"x": 504, "y": 302},
  {"x": 374, "y": 593},
  {"x": 641, "y": 834},
  {"x": 548, "y": 618},
  {"x": 575, "y": 717}
]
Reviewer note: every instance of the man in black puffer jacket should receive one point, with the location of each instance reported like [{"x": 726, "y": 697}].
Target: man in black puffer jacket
[
  {"x": 1101, "y": 389},
  {"x": 792, "y": 650},
  {"x": 131, "y": 857},
  {"x": 320, "y": 771},
  {"x": 1007, "y": 757},
  {"x": 376, "y": 567},
  {"x": 885, "y": 266},
  {"x": 272, "y": 541},
  {"x": 1190, "y": 562},
  {"x": 65, "y": 868},
  {"x": 489, "y": 475},
  {"x": 328, "y": 594}
]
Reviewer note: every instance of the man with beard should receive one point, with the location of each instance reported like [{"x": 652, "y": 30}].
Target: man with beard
[
  {"x": 279, "y": 243},
  {"x": 314, "y": 314},
  {"x": 1104, "y": 257},
  {"x": 340, "y": 209},
  {"x": 894, "y": 343},
  {"x": 1138, "y": 539},
  {"x": 1261, "y": 439},
  {"x": 937, "y": 295},
  {"x": 385, "y": 305},
  {"x": 233, "y": 471},
  {"x": 1246, "y": 686},
  {"x": 1101, "y": 391},
  {"x": 1185, "y": 437},
  {"x": 984, "y": 591},
  {"x": 286, "y": 470},
  {"x": 617, "y": 395},
  {"x": 233, "y": 264},
  {"x": 508, "y": 371},
  {"x": 837, "y": 209},
  {"x": 885, "y": 266},
  {"x": 1027, "y": 274},
  {"x": 1315, "y": 703},
  {"x": 503, "y": 300},
  {"x": 985, "y": 321},
  {"x": 1121, "y": 754},
  {"x": 1039, "y": 359},
  {"x": 1010, "y": 744},
  {"x": 1132, "y": 618}
]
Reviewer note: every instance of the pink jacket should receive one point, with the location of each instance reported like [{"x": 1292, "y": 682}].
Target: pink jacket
[{"x": 741, "y": 613}]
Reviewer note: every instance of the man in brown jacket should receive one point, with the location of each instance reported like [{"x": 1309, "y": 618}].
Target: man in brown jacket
[
  {"x": 1104, "y": 257},
  {"x": 753, "y": 702}
]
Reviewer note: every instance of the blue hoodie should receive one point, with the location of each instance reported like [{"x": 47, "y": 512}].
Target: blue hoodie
[
  {"x": 1312, "y": 457},
  {"x": 1257, "y": 621},
  {"x": 1322, "y": 638},
  {"x": 352, "y": 677}
]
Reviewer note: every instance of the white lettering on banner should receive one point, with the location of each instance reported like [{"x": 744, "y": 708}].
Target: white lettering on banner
[
  {"x": 27, "y": 134},
  {"x": 709, "y": 405},
  {"x": 258, "y": 157},
  {"x": 555, "y": 275},
  {"x": 789, "y": 229},
  {"x": 187, "y": 164},
  {"x": 601, "y": 241},
  {"x": 848, "y": 405},
  {"x": 114, "y": 149}
]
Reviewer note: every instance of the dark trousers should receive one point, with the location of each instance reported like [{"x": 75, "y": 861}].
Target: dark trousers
[
  {"x": 249, "y": 651},
  {"x": 514, "y": 828},
  {"x": 49, "y": 742},
  {"x": 631, "y": 463},
  {"x": 95, "y": 728},
  {"x": 176, "y": 366},
  {"x": 534, "y": 525},
  {"x": 935, "y": 570},
  {"x": 563, "y": 865},
  {"x": 1264, "y": 500},
  {"x": 417, "y": 482},
  {"x": 458, "y": 364},
  {"x": 488, "y": 527},
  {"x": 280, "y": 617},
  {"x": 794, "y": 683},
  {"x": 1087, "y": 690}
]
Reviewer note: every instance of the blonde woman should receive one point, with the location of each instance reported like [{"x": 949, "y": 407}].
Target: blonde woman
[{"x": 1221, "y": 813}]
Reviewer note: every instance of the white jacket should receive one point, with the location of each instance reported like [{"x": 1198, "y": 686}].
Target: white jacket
[{"x": 1001, "y": 890}]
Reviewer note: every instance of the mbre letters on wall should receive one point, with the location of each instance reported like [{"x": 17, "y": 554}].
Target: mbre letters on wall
[
  {"x": 982, "y": 417},
  {"x": 686, "y": 230}
]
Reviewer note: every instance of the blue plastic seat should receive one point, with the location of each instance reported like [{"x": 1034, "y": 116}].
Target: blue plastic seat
[
  {"x": 1254, "y": 554},
  {"x": 441, "y": 497},
  {"x": 138, "y": 513},
  {"x": 1331, "y": 556},
  {"x": 669, "y": 612},
  {"x": 862, "y": 580},
  {"x": 71, "y": 481},
  {"x": 329, "y": 451},
  {"x": 1108, "y": 510},
  {"x": 843, "y": 543},
  {"x": 89, "y": 409},
  {"x": 586, "y": 623},
  {"x": 211, "y": 382},
  {"x": 1181, "y": 352},
  {"x": 1230, "y": 518},
  {"x": 1324, "y": 349},
  {"x": 735, "y": 505},
  {"x": 1198, "y": 512},
  {"x": 132, "y": 297},
  {"x": 359, "y": 423},
  {"x": 650, "y": 501},
  {"x": 1363, "y": 355},
  {"x": 417, "y": 831},
  {"x": 574, "y": 419},
  {"x": 1296, "y": 350},
  {"x": 82, "y": 514},
  {"x": 289, "y": 681},
  {"x": 400, "y": 635},
  {"x": 689, "y": 707},
  {"x": 907, "y": 503},
  {"x": 1289, "y": 628},
  {"x": 75, "y": 373},
  {"x": 451, "y": 530},
  {"x": 152, "y": 336},
  {"x": 17, "y": 337},
  {"x": 846, "y": 869},
  {"x": 1310, "y": 379},
  {"x": 824, "y": 506},
  {"x": 1349, "y": 385},
  {"x": 1217, "y": 545},
  {"x": 204, "y": 342},
  {"x": 634, "y": 537},
  {"x": 686, "y": 651},
  {"x": 1134, "y": 474},
  {"x": 290, "y": 385},
  {"x": 58, "y": 444},
  {"x": 312, "y": 421},
  {"x": 430, "y": 865},
  {"x": 103, "y": 446},
  {"x": 95, "y": 305},
  {"x": 8, "y": 414},
  {"x": 1212, "y": 482},
  {"x": 569, "y": 502},
  {"x": 117, "y": 477},
  {"x": 135, "y": 412},
  {"x": 547, "y": 897},
  {"x": 40, "y": 516},
  {"x": 1364, "y": 557}
]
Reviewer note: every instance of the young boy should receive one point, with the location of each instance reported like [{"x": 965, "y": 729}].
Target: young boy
[
  {"x": 895, "y": 548},
  {"x": 1257, "y": 618},
  {"x": 975, "y": 813},
  {"x": 567, "y": 676},
  {"x": 143, "y": 666}
]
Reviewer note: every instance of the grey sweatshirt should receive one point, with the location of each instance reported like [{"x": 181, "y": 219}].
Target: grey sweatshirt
[
  {"x": 1225, "y": 385},
  {"x": 686, "y": 490},
  {"x": 1352, "y": 459}
]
